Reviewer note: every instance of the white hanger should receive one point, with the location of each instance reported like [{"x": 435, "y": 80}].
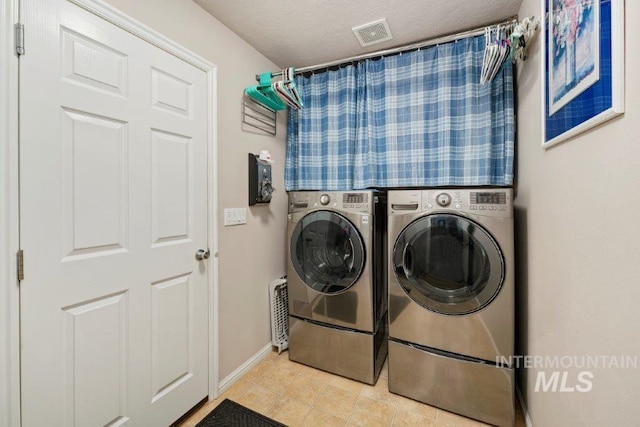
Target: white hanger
[
  {"x": 286, "y": 89},
  {"x": 496, "y": 54}
]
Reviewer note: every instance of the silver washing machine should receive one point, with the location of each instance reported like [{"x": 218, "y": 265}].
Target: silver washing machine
[
  {"x": 451, "y": 300},
  {"x": 336, "y": 274}
]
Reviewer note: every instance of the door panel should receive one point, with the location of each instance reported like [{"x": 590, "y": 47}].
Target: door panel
[
  {"x": 170, "y": 93},
  {"x": 96, "y": 327},
  {"x": 171, "y": 334},
  {"x": 172, "y": 165},
  {"x": 93, "y": 65},
  {"x": 113, "y": 208},
  {"x": 95, "y": 154}
]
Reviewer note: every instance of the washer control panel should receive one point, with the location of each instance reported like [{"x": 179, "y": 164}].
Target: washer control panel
[
  {"x": 489, "y": 198},
  {"x": 489, "y": 201},
  {"x": 354, "y": 201}
]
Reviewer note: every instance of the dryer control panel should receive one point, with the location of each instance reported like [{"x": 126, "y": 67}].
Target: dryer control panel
[
  {"x": 443, "y": 199},
  {"x": 487, "y": 202}
]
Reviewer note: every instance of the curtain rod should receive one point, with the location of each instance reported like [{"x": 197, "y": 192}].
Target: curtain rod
[{"x": 387, "y": 52}]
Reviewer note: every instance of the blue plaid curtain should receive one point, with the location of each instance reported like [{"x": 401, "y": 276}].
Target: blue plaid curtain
[
  {"x": 422, "y": 119},
  {"x": 321, "y": 137}
]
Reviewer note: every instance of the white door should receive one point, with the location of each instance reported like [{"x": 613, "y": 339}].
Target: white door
[{"x": 113, "y": 193}]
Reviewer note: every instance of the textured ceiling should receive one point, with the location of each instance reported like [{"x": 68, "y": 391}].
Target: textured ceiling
[{"x": 299, "y": 33}]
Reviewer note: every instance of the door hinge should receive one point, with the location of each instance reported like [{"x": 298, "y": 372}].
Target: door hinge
[
  {"x": 20, "y": 39},
  {"x": 20, "y": 256}
]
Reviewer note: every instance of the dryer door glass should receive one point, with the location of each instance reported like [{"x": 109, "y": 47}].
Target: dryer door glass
[
  {"x": 327, "y": 252},
  {"x": 448, "y": 264}
]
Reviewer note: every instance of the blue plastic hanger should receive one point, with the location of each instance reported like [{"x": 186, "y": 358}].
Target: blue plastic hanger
[{"x": 265, "y": 95}]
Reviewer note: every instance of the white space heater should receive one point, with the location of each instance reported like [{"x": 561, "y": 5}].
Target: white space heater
[{"x": 279, "y": 302}]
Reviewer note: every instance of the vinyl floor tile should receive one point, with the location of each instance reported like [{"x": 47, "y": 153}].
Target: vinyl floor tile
[{"x": 298, "y": 395}]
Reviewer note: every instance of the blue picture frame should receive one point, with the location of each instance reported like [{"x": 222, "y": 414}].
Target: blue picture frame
[{"x": 583, "y": 93}]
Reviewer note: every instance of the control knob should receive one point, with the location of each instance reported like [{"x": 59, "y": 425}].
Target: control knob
[
  {"x": 443, "y": 199},
  {"x": 325, "y": 199}
]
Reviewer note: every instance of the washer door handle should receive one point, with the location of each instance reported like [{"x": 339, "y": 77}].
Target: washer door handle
[{"x": 408, "y": 262}]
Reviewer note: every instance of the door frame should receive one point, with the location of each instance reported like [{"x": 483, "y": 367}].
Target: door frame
[
  {"x": 9, "y": 193},
  {"x": 9, "y": 220}
]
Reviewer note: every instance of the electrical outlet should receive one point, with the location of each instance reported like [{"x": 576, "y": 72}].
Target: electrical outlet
[{"x": 235, "y": 216}]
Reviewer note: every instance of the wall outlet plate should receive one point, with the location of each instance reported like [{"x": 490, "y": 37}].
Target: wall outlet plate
[{"x": 235, "y": 216}]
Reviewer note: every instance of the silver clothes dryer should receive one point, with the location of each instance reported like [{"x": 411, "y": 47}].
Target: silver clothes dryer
[
  {"x": 451, "y": 299},
  {"x": 337, "y": 281}
]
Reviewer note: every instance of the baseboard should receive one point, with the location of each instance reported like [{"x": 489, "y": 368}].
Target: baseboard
[
  {"x": 525, "y": 412},
  {"x": 244, "y": 368}
]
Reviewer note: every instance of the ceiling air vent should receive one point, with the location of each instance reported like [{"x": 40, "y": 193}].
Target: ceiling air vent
[{"x": 373, "y": 32}]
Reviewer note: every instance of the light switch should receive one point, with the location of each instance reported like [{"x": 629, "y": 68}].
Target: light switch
[{"x": 235, "y": 216}]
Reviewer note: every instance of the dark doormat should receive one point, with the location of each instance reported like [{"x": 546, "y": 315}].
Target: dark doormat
[{"x": 232, "y": 414}]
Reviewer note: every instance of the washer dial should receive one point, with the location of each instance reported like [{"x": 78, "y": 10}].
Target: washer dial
[{"x": 443, "y": 199}]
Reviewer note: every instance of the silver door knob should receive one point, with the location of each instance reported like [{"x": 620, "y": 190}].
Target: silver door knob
[{"x": 202, "y": 254}]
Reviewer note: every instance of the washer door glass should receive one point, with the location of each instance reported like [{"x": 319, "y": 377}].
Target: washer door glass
[
  {"x": 327, "y": 252},
  {"x": 448, "y": 264}
]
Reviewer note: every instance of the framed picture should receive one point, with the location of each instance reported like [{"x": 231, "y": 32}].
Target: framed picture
[{"x": 583, "y": 66}]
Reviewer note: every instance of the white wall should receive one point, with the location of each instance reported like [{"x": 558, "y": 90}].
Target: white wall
[
  {"x": 578, "y": 250},
  {"x": 251, "y": 255}
]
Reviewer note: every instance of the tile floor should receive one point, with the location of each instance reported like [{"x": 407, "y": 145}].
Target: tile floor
[{"x": 297, "y": 395}]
